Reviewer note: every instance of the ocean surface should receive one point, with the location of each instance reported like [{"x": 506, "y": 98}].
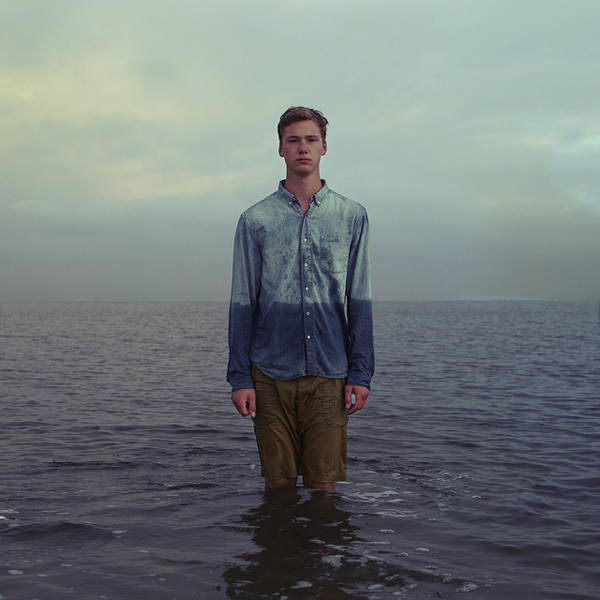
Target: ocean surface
[{"x": 126, "y": 474}]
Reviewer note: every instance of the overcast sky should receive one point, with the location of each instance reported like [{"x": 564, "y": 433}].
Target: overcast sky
[{"x": 133, "y": 133}]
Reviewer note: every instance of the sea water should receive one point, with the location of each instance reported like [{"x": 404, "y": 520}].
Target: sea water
[{"x": 126, "y": 473}]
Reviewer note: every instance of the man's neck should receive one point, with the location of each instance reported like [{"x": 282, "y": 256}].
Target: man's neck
[{"x": 304, "y": 188}]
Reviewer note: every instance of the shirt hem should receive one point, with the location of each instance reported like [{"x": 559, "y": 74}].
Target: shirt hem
[{"x": 310, "y": 373}]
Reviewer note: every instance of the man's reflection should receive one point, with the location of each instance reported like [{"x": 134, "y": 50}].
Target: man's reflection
[{"x": 303, "y": 549}]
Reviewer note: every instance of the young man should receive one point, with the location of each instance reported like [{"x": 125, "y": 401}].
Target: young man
[{"x": 300, "y": 323}]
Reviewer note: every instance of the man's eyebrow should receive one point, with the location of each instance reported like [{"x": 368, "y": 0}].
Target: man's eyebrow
[{"x": 310, "y": 136}]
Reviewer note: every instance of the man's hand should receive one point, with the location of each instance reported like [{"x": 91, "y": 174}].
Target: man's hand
[
  {"x": 244, "y": 400},
  {"x": 360, "y": 395}
]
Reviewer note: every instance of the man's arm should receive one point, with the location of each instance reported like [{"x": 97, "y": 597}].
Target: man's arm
[
  {"x": 361, "y": 355},
  {"x": 244, "y": 294}
]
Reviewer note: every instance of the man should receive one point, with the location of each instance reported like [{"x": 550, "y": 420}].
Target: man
[{"x": 300, "y": 323}]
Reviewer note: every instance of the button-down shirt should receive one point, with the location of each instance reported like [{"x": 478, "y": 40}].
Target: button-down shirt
[{"x": 301, "y": 291}]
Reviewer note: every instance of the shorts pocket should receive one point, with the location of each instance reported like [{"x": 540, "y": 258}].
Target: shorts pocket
[
  {"x": 267, "y": 401},
  {"x": 334, "y": 410}
]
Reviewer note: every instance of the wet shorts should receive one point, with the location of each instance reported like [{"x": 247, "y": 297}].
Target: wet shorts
[{"x": 300, "y": 427}]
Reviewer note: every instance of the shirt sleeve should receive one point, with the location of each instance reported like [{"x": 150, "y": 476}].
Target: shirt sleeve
[
  {"x": 361, "y": 354},
  {"x": 244, "y": 294}
]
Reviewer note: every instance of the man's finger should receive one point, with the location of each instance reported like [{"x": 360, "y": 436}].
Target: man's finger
[
  {"x": 252, "y": 404},
  {"x": 348, "y": 397}
]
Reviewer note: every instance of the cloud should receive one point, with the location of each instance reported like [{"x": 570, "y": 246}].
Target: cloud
[{"x": 132, "y": 134}]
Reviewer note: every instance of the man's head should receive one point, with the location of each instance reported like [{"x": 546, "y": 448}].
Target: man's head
[{"x": 300, "y": 113}]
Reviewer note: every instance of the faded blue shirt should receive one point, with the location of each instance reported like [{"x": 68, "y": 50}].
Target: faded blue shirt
[{"x": 301, "y": 291}]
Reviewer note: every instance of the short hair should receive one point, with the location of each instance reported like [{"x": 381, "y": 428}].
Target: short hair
[{"x": 301, "y": 113}]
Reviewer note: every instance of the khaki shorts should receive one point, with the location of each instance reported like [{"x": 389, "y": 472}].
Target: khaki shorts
[{"x": 300, "y": 427}]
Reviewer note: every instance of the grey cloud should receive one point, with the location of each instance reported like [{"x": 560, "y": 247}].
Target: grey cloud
[{"x": 133, "y": 134}]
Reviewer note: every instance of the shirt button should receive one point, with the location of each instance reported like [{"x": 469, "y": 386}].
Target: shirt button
[
  {"x": 306, "y": 288},
  {"x": 306, "y": 264},
  {"x": 306, "y": 239},
  {"x": 308, "y": 337},
  {"x": 308, "y": 313}
]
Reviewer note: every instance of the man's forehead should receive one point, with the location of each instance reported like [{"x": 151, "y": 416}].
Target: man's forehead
[{"x": 302, "y": 128}]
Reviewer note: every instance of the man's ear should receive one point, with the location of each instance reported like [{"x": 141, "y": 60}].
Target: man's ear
[
  {"x": 324, "y": 150},
  {"x": 280, "y": 151}
]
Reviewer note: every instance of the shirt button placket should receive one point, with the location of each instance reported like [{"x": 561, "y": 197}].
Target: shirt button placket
[{"x": 308, "y": 297}]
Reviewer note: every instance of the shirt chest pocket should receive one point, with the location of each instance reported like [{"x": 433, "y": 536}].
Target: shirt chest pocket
[{"x": 333, "y": 253}]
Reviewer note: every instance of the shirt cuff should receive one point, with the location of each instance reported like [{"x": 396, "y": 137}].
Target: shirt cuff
[
  {"x": 241, "y": 382},
  {"x": 361, "y": 379}
]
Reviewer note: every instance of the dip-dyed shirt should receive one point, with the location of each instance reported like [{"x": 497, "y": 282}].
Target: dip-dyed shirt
[{"x": 301, "y": 290}]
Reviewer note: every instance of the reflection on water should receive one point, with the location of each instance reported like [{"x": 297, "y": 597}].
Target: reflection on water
[
  {"x": 307, "y": 547},
  {"x": 303, "y": 545}
]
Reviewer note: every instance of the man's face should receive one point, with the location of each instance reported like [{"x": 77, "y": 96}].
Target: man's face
[{"x": 302, "y": 147}]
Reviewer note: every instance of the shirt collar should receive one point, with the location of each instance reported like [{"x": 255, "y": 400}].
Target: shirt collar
[{"x": 318, "y": 197}]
